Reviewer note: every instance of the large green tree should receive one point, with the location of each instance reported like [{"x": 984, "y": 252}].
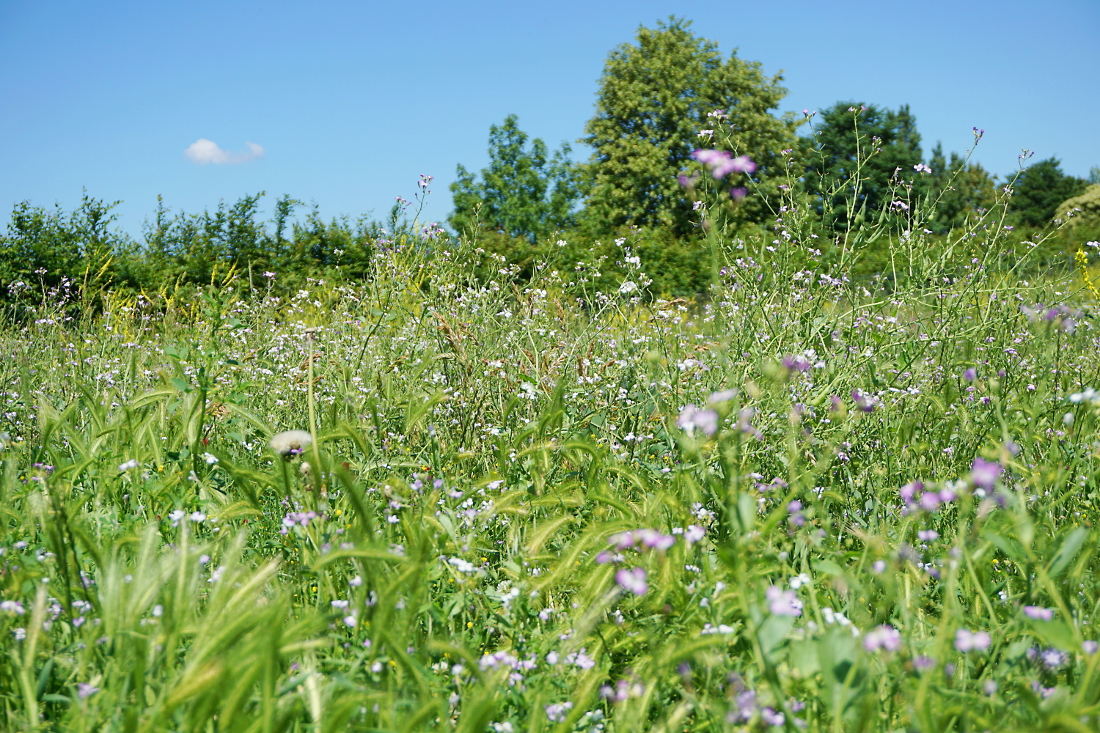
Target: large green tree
[
  {"x": 960, "y": 191},
  {"x": 655, "y": 98},
  {"x": 1037, "y": 191},
  {"x": 862, "y": 156},
  {"x": 522, "y": 193}
]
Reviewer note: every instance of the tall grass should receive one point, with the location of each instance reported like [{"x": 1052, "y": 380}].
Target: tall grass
[{"x": 798, "y": 503}]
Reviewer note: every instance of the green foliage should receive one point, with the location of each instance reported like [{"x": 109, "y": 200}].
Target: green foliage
[
  {"x": 1039, "y": 189},
  {"x": 960, "y": 190},
  {"x": 655, "y": 98},
  {"x": 1081, "y": 215},
  {"x": 493, "y": 468},
  {"x": 522, "y": 193},
  {"x": 861, "y": 155},
  {"x": 49, "y": 251}
]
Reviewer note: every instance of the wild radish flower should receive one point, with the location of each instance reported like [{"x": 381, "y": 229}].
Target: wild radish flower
[
  {"x": 12, "y": 607},
  {"x": 623, "y": 690},
  {"x": 1039, "y": 614},
  {"x": 771, "y": 717},
  {"x": 123, "y": 467},
  {"x": 722, "y": 163},
  {"x": 967, "y": 641},
  {"x": 984, "y": 474},
  {"x": 692, "y": 418},
  {"x": 655, "y": 540},
  {"x": 797, "y": 519},
  {"x": 882, "y": 637},
  {"x": 783, "y": 602},
  {"x": 970, "y": 374},
  {"x": 865, "y": 402},
  {"x": 633, "y": 580},
  {"x": 558, "y": 711},
  {"x": 291, "y": 443},
  {"x": 909, "y": 491},
  {"x": 718, "y": 398},
  {"x": 84, "y": 690},
  {"x": 1089, "y": 395}
]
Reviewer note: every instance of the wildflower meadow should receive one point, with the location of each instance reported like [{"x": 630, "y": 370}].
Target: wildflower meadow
[
  {"x": 783, "y": 456},
  {"x": 439, "y": 502}
]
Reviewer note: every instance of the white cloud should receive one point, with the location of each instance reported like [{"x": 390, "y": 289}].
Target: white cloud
[{"x": 204, "y": 151}]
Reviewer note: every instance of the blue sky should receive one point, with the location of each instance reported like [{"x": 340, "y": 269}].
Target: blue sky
[{"x": 346, "y": 103}]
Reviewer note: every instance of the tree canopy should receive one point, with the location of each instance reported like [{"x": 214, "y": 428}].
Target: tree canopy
[
  {"x": 659, "y": 99},
  {"x": 1037, "y": 191},
  {"x": 522, "y": 193},
  {"x": 859, "y": 151},
  {"x": 960, "y": 189}
]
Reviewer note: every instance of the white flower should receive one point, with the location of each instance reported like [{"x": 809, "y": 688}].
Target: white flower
[
  {"x": 291, "y": 443},
  {"x": 132, "y": 463}
]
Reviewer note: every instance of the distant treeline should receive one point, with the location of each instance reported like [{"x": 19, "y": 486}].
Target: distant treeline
[{"x": 688, "y": 151}]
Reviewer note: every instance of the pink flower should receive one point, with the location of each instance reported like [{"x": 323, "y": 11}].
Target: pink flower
[
  {"x": 967, "y": 641},
  {"x": 692, "y": 418},
  {"x": 984, "y": 474},
  {"x": 633, "y": 580},
  {"x": 882, "y": 637},
  {"x": 1039, "y": 614},
  {"x": 783, "y": 602}
]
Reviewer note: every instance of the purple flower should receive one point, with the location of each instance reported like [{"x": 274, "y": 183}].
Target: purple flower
[
  {"x": 687, "y": 182},
  {"x": 1052, "y": 658},
  {"x": 865, "y": 402},
  {"x": 692, "y": 417},
  {"x": 622, "y": 540},
  {"x": 984, "y": 474},
  {"x": 655, "y": 540},
  {"x": 796, "y": 363},
  {"x": 967, "y": 641},
  {"x": 738, "y": 192},
  {"x": 909, "y": 491},
  {"x": 929, "y": 501},
  {"x": 1039, "y": 614},
  {"x": 722, "y": 164},
  {"x": 882, "y": 637},
  {"x": 744, "y": 422},
  {"x": 970, "y": 374},
  {"x": 922, "y": 663},
  {"x": 694, "y": 533},
  {"x": 633, "y": 580},
  {"x": 558, "y": 712},
  {"x": 84, "y": 690},
  {"x": 1089, "y": 647},
  {"x": 769, "y": 716},
  {"x": 783, "y": 602}
]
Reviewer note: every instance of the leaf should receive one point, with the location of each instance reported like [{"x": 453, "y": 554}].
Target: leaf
[
  {"x": 773, "y": 632},
  {"x": 1070, "y": 545}
]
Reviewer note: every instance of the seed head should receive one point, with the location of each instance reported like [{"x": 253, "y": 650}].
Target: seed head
[{"x": 290, "y": 443}]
